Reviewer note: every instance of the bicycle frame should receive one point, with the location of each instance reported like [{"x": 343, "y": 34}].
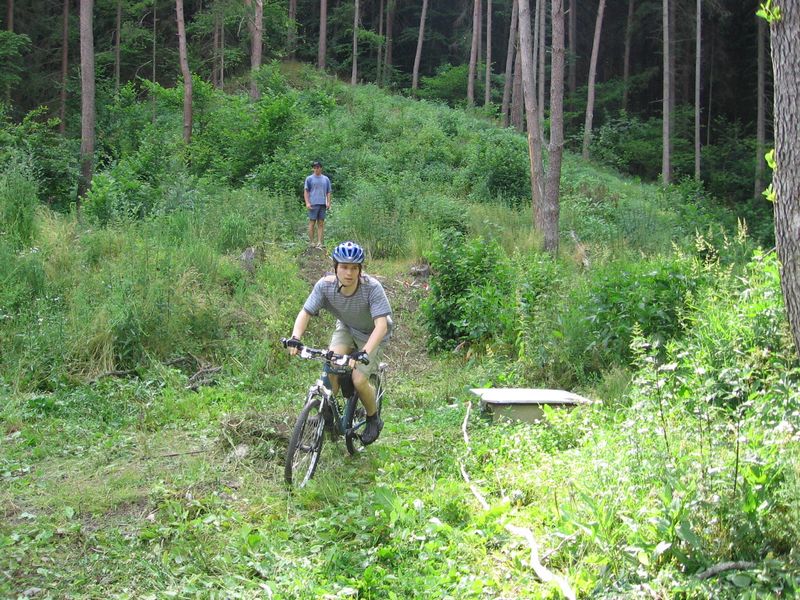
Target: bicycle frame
[
  {"x": 322, "y": 411},
  {"x": 322, "y": 388}
]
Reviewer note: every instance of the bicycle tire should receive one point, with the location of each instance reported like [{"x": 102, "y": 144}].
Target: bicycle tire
[
  {"x": 305, "y": 445},
  {"x": 355, "y": 418}
]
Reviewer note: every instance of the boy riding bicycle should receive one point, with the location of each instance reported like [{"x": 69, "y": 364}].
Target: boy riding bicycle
[{"x": 364, "y": 323}]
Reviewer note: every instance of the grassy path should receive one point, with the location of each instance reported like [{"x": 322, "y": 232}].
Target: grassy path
[{"x": 142, "y": 489}]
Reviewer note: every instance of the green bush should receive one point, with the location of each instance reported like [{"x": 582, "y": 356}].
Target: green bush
[
  {"x": 498, "y": 167},
  {"x": 375, "y": 217},
  {"x": 234, "y": 135},
  {"x": 448, "y": 85},
  {"x": 652, "y": 294},
  {"x": 53, "y": 157},
  {"x": 18, "y": 201},
  {"x": 472, "y": 297}
]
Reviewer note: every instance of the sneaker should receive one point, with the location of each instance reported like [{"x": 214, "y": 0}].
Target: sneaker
[{"x": 372, "y": 430}]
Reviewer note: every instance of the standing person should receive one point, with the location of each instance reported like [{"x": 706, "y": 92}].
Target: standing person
[
  {"x": 317, "y": 194},
  {"x": 364, "y": 323}
]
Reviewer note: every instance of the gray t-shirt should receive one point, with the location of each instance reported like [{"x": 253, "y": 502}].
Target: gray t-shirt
[
  {"x": 318, "y": 189},
  {"x": 356, "y": 312}
]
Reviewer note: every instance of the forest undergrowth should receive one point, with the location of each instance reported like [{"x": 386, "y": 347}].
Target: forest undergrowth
[{"x": 145, "y": 401}]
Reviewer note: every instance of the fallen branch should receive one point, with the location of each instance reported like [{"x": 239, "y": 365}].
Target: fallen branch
[
  {"x": 202, "y": 377},
  {"x": 740, "y": 565},
  {"x": 173, "y": 454},
  {"x": 542, "y": 572},
  {"x": 114, "y": 373}
]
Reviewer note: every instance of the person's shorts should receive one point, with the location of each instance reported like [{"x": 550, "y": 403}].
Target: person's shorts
[
  {"x": 342, "y": 337},
  {"x": 317, "y": 212}
]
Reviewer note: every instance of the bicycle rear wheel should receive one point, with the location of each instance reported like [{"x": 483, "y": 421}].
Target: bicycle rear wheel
[
  {"x": 305, "y": 444},
  {"x": 355, "y": 417}
]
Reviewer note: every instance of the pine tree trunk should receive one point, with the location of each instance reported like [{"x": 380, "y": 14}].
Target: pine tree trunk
[
  {"x": 531, "y": 112},
  {"x": 354, "y": 73},
  {"x": 323, "y": 34},
  {"x": 487, "y": 87},
  {"x": 473, "y": 53},
  {"x": 517, "y": 103},
  {"x": 379, "y": 63},
  {"x": 117, "y": 35},
  {"x": 697, "y": 63},
  {"x": 509, "y": 77},
  {"x": 537, "y": 14},
  {"x": 541, "y": 79},
  {"x": 666, "y": 132},
  {"x": 626, "y": 59},
  {"x": 256, "y": 48},
  {"x": 10, "y": 16},
  {"x": 153, "y": 62},
  {"x": 291, "y": 36},
  {"x": 786, "y": 178},
  {"x": 552, "y": 185},
  {"x": 420, "y": 38},
  {"x": 187, "y": 74},
  {"x": 572, "y": 78},
  {"x": 62, "y": 109},
  {"x": 760, "y": 112},
  {"x": 222, "y": 51},
  {"x": 87, "y": 98},
  {"x": 387, "y": 63},
  {"x": 480, "y": 38},
  {"x": 215, "y": 51},
  {"x": 587, "y": 126}
]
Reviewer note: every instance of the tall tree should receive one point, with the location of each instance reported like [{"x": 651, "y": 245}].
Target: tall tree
[
  {"x": 187, "y": 74},
  {"x": 666, "y": 131},
  {"x": 62, "y": 110},
  {"x": 10, "y": 15},
  {"x": 322, "y": 49},
  {"x": 552, "y": 184},
  {"x": 420, "y": 38},
  {"x": 379, "y": 67},
  {"x": 785, "y": 31},
  {"x": 153, "y": 61},
  {"x": 531, "y": 112},
  {"x": 354, "y": 73},
  {"x": 291, "y": 36},
  {"x": 473, "y": 52},
  {"x": 256, "y": 46},
  {"x": 760, "y": 112},
  {"x": 117, "y": 35},
  {"x": 517, "y": 103},
  {"x": 587, "y": 126},
  {"x": 626, "y": 58},
  {"x": 87, "y": 97},
  {"x": 541, "y": 54},
  {"x": 509, "y": 77},
  {"x": 215, "y": 49},
  {"x": 697, "y": 46},
  {"x": 572, "y": 78},
  {"x": 391, "y": 6},
  {"x": 487, "y": 88}
]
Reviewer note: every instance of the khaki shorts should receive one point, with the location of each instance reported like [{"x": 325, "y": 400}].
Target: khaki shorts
[{"x": 342, "y": 337}]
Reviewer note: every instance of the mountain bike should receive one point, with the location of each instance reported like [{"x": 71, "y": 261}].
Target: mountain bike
[{"x": 323, "y": 412}]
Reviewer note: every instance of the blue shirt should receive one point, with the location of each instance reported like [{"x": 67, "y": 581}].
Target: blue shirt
[{"x": 318, "y": 189}]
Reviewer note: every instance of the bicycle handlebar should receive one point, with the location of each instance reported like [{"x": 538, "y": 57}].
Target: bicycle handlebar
[{"x": 326, "y": 355}]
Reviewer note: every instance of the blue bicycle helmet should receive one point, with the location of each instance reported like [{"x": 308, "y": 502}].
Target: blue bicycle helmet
[{"x": 348, "y": 252}]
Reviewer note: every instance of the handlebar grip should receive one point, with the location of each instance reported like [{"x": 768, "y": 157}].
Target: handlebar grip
[
  {"x": 291, "y": 343},
  {"x": 361, "y": 357}
]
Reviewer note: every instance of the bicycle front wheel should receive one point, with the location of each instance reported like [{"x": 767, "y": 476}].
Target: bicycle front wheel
[{"x": 305, "y": 444}]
